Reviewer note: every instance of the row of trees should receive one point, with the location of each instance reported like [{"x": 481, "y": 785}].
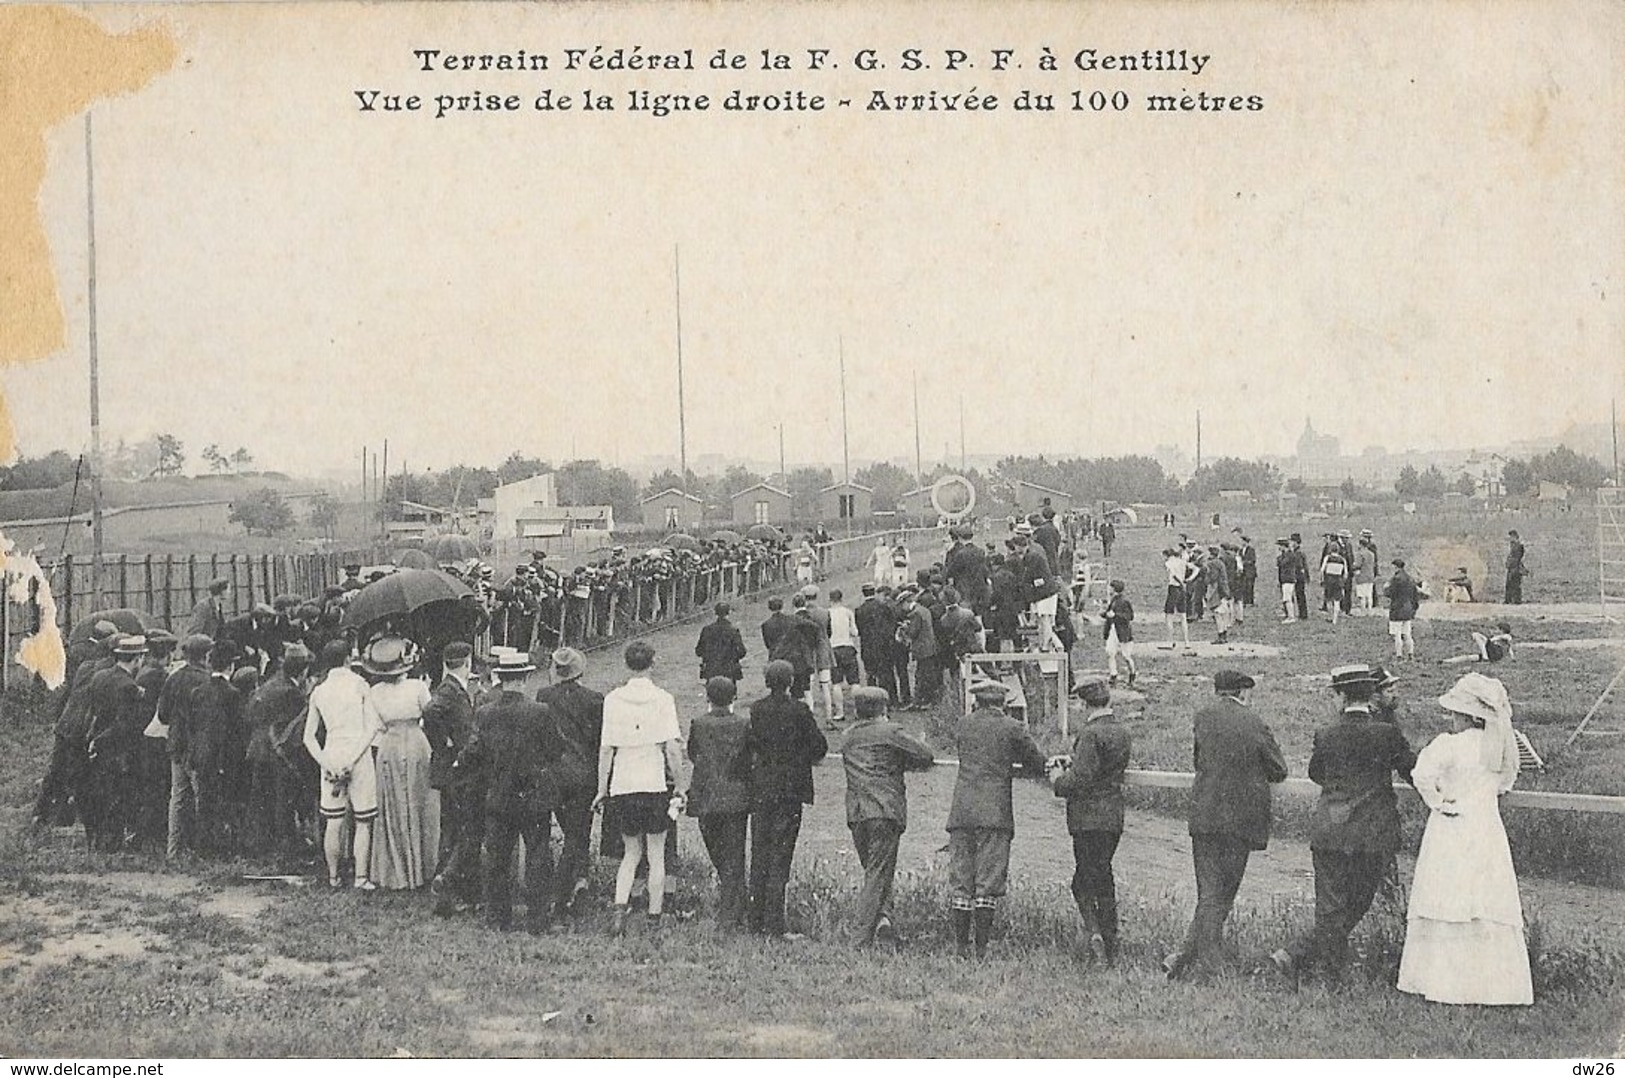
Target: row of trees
[{"x": 158, "y": 457}]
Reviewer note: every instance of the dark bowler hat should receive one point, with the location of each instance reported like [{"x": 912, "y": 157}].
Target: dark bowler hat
[
  {"x": 1355, "y": 674},
  {"x": 1231, "y": 681}
]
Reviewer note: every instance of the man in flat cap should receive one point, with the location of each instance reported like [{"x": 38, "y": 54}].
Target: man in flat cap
[
  {"x": 982, "y": 822},
  {"x": 208, "y": 617},
  {"x": 1236, "y": 760},
  {"x": 1091, "y": 781},
  {"x": 1355, "y": 831},
  {"x": 876, "y": 754}
]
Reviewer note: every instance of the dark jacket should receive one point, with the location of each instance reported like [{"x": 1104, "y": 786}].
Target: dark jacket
[
  {"x": 448, "y": 723},
  {"x": 1119, "y": 615},
  {"x": 273, "y": 705},
  {"x": 990, "y": 743},
  {"x": 515, "y": 745},
  {"x": 877, "y": 625},
  {"x": 1093, "y": 785},
  {"x": 1048, "y": 536},
  {"x": 876, "y": 753},
  {"x": 1004, "y": 597},
  {"x": 1035, "y": 576},
  {"x": 775, "y": 626},
  {"x": 919, "y": 632},
  {"x": 578, "y": 713},
  {"x": 1404, "y": 597},
  {"x": 715, "y": 744},
  {"x": 1236, "y": 760},
  {"x": 782, "y": 743},
  {"x": 966, "y": 570},
  {"x": 719, "y": 650},
  {"x": 74, "y": 722},
  {"x": 175, "y": 707},
  {"x": 116, "y": 715},
  {"x": 1354, "y": 762},
  {"x": 217, "y": 737}
]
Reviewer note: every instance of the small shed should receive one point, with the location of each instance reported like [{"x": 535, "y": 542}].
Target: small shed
[
  {"x": 846, "y": 501},
  {"x": 916, "y": 504},
  {"x": 761, "y": 504},
  {"x": 671, "y": 510},
  {"x": 1031, "y": 497}
]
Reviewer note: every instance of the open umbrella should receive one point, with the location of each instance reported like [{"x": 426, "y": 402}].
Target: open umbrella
[
  {"x": 415, "y": 559},
  {"x": 682, "y": 541},
  {"x": 725, "y": 536},
  {"x": 764, "y": 533},
  {"x": 127, "y": 620},
  {"x": 445, "y": 549},
  {"x": 402, "y": 593}
]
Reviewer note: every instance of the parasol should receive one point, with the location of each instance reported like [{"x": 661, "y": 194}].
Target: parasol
[
  {"x": 764, "y": 533},
  {"x": 402, "y": 593},
  {"x": 725, "y": 536},
  {"x": 445, "y": 549},
  {"x": 682, "y": 541},
  {"x": 415, "y": 559},
  {"x": 127, "y": 620}
]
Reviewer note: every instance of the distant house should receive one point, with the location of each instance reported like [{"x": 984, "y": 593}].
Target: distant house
[
  {"x": 1485, "y": 470},
  {"x": 416, "y": 520},
  {"x": 761, "y": 504},
  {"x": 513, "y": 501},
  {"x": 547, "y": 522},
  {"x": 916, "y": 504},
  {"x": 846, "y": 501},
  {"x": 671, "y": 510},
  {"x": 1031, "y": 497},
  {"x": 1552, "y": 492}
]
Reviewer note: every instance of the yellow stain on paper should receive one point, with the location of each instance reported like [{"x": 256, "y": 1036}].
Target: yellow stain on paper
[{"x": 54, "y": 62}]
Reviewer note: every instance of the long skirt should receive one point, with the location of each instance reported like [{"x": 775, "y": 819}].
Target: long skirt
[{"x": 406, "y": 837}]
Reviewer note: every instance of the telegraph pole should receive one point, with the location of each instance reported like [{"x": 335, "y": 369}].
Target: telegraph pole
[
  {"x": 783, "y": 475},
  {"x": 846, "y": 455},
  {"x": 919, "y": 469},
  {"x": 95, "y": 381},
  {"x": 682, "y": 423}
]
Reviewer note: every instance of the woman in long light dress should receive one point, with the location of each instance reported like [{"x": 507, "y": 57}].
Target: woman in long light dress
[
  {"x": 1464, "y": 939},
  {"x": 406, "y": 839}
]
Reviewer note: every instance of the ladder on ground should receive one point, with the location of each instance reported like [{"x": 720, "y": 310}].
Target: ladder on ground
[{"x": 1611, "y": 594}]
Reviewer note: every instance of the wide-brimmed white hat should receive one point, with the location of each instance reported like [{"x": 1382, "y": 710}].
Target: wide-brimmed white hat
[{"x": 1480, "y": 697}]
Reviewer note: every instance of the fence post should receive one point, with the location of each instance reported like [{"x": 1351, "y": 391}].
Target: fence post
[
  {"x": 169, "y": 574},
  {"x": 265, "y": 577},
  {"x": 124, "y": 580},
  {"x": 614, "y": 601},
  {"x": 67, "y": 595},
  {"x": 146, "y": 572},
  {"x": 191, "y": 581}
]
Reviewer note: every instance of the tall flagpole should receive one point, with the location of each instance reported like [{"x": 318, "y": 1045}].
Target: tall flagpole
[
  {"x": 919, "y": 469},
  {"x": 846, "y": 454},
  {"x": 682, "y": 422},
  {"x": 95, "y": 381}
]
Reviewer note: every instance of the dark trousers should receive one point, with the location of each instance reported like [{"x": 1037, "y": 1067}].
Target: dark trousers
[
  {"x": 927, "y": 680},
  {"x": 773, "y": 832},
  {"x": 152, "y": 823},
  {"x": 107, "y": 798},
  {"x": 1514, "y": 592},
  {"x": 1345, "y": 883},
  {"x": 55, "y": 803},
  {"x": 462, "y": 875},
  {"x": 724, "y": 835},
  {"x": 1093, "y": 887},
  {"x": 1300, "y": 599},
  {"x": 574, "y": 814},
  {"x": 269, "y": 824},
  {"x": 876, "y": 841},
  {"x": 879, "y": 672},
  {"x": 899, "y": 665},
  {"x": 1220, "y": 863},
  {"x": 501, "y": 832}
]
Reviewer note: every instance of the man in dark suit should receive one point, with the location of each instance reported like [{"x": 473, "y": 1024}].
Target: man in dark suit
[
  {"x": 215, "y": 731},
  {"x": 175, "y": 715},
  {"x": 981, "y": 821},
  {"x": 515, "y": 747},
  {"x": 579, "y": 714},
  {"x": 877, "y": 628},
  {"x": 966, "y": 569},
  {"x": 1236, "y": 761},
  {"x": 1048, "y": 536},
  {"x": 1515, "y": 568},
  {"x": 782, "y": 743},
  {"x": 271, "y": 784},
  {"x": 776, "y": 625},
  {"x": 1355, "y": 831},
  {"x": 108, "y": 794},
  {"x": 720, "y": 648},
  {"x": 208, "y": 617},
  {"x": 64, "y": 773},
  {"x": 448, "y": 723}
]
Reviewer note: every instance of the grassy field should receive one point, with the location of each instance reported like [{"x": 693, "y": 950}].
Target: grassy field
[{"x": 107, "y": 956}]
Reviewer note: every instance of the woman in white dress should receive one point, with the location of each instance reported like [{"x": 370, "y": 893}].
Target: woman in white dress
[
  {"x": 406, "y": 840},
  {"x": 1464, "y": 938}
]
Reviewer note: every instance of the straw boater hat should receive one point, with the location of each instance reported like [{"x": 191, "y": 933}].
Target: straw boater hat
[
  {"x": 130, "y": 646},
  {"x": 514, "y": 665},
  {"x": 1345, "y": 677},
  {"x": 388, "y": 655}
]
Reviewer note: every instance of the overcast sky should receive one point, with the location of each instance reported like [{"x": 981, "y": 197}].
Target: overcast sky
[{"x": 1419, "y": 241}]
